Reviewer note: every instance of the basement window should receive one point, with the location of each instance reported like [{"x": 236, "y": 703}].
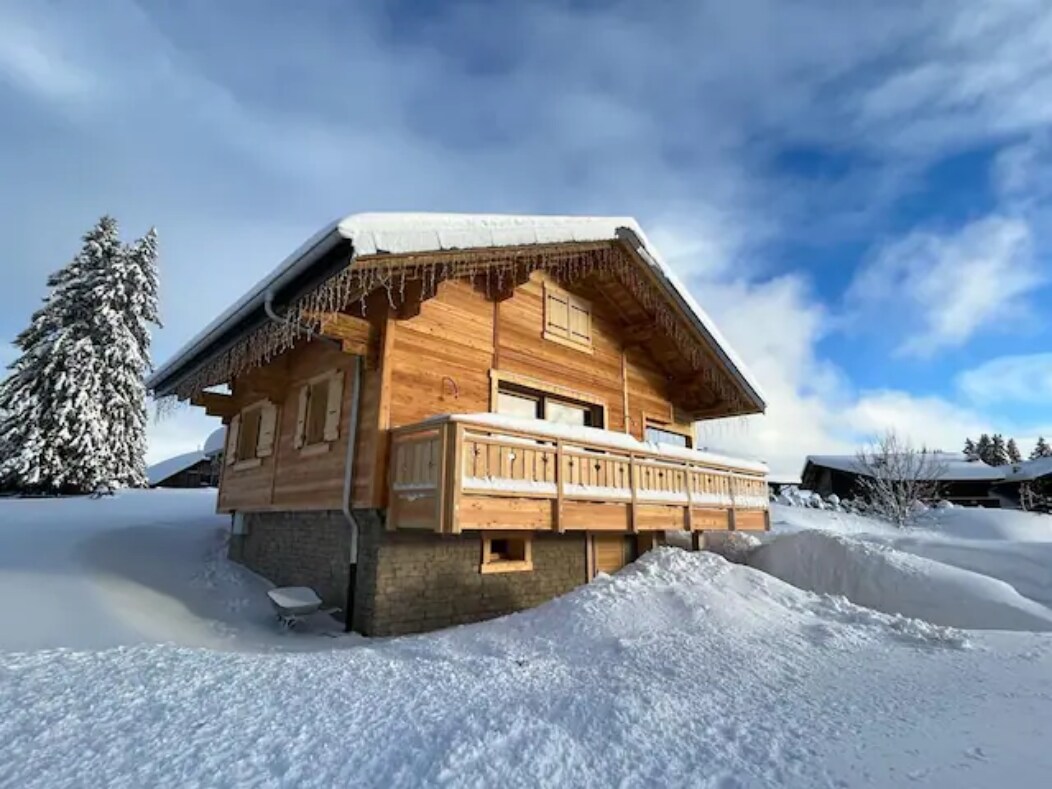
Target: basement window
[{"x": 506, "y": 553}]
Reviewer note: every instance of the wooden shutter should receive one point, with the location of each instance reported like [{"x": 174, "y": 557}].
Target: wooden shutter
[
  {"x": 556, "y": 312},
  {"x": 334, "y": 403},
  {"x": 267, "y": 423},
  {"x": 232, "y": 432},
  {"x": 580, "y": 321},
  {"x": 301, "y": 417}
]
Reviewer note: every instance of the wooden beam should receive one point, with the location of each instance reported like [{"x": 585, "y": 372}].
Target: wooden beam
[
  {"x": 215, "y": 404},
  {"x": 408, "y": 299},
  {"x": 354, "y": 333}
]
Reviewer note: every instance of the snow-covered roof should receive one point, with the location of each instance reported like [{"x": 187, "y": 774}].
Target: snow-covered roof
[
  {"x": 215, "y": 442},
  {"x": 404, "y": 233},
  {"x": 159, "y": 472},
  {"x": 605, "y": 438},
  {"x": 1028, "y": 470},
  {"x": 958, "y": 467}
]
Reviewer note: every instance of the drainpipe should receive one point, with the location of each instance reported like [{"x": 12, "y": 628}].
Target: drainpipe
[{"x": 348, "y": 472}]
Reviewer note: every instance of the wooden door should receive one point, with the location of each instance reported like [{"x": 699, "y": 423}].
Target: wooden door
[{"x": 610, "y": 552}]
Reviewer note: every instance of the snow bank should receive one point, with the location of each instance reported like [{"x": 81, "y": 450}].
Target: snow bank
[
  {"x": 980, "y": 523},
  {"x": 680, "y": 670},
  {"x": 896, "y": 582}
]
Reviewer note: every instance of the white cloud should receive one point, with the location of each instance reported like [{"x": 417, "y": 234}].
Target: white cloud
[
  {"x": 30, "y": 62},
  {"x": 940, "y": 289},
  {"x": 1025, "y": 378}
]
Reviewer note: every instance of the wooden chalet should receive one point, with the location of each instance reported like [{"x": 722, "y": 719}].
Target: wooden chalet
[{"x": 435, "y": 419}]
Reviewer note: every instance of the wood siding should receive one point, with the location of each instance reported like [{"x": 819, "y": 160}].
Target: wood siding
[
  {"x": 292, "y": 478},
  {"x": 443, "y": 359}
]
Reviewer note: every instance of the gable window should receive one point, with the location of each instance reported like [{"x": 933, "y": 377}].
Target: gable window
[
  {"x": 521, "y": 401},
  {"x": 318, "y": 416},
  {"x": 506, "y": 553},
  {"x": 663, "y": 433},
  {"x": 567, "y": 318},
  {"x": 250, "y": 435}
]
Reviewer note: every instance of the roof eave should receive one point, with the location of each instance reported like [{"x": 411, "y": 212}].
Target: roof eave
[{"x": 164, "y": 381}]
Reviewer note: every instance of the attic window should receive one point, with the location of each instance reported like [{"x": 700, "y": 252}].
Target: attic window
[
  {"x": 506, "y": 553},
  {"x": 567, "y": 318}
]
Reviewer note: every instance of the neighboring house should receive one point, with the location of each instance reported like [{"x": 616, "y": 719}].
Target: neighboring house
[
  {"x": 1027, "y": 485},
  {"x": 435, "y": 419},
  {"x": 190, "y": 470},
  {"x": 775, "y": 485},
  {"x": 198, "y": 469},
  {"x": 965, "y": 480}
]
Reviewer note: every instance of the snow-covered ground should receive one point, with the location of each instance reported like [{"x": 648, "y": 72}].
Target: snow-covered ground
[{"x": 131, "y": 654}]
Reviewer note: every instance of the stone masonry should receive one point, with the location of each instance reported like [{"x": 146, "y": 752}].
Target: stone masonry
[
  {"x": 411, "y": 582},
  {"x": 298, "y": 549},
  {"x": 407, "y": 582}
]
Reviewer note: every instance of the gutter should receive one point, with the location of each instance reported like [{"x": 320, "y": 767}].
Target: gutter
[{"x": 292, "y": 267}]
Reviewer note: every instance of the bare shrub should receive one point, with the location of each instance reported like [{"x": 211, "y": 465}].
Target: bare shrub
[{"x": 894, "y": 477}]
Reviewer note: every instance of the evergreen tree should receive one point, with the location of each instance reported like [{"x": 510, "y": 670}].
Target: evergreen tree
[
  {"x": 53, "y": 436},
  {"x": 74, "y": 410},
  {"x": 969, "y": 448},
  {"x": 1012, "y": 450},
  {"x": 1041, "y": 449},
  {"x": 126, "y": 294},
  {"x": 998, "y": 451},
  {"x": 982, "y": 448}
]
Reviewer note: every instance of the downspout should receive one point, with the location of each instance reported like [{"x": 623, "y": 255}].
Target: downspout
[{"x": 348, "y": 472}]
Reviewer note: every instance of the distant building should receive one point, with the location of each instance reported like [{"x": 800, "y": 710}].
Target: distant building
[
  {"x": 197, "y": 469},
  {"x": 965, "y": 480},
  {"x": 1027, "y": 485}
]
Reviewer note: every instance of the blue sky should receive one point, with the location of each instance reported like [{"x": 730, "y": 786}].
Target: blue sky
[{"x": 859, "y": 193}]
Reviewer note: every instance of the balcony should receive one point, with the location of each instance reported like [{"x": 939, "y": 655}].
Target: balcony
[{"x": 485, "y": 471}]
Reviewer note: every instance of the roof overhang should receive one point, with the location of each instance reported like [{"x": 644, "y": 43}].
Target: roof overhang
[{"x": 362, "y": 235}]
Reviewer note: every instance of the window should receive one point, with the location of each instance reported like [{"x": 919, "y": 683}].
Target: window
[
  {"x": 318, "y": 415},
  {"x": 250, "y": 435},
  {"x": 520, "y": 401},
  {"x": 567, "y": 318},
  {"x": 661, "y": 433},
  {"x": 506, "y": 553},
  {"x": 248, "y": 441},
  {"x": 317, "y": 407}
]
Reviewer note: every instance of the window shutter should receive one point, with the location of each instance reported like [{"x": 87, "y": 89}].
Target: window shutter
[
  {"x": 580, "y": 322},
  {"x": 232, "y": 431},
  {"x": 332, "y": 414},
  {"x": 556, "y": 312},
  {"x": 301, "y": 417},
  {"x": 267, "y": 424}
]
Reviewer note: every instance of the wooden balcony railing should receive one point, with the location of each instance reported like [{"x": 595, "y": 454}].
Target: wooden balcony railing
[{"x": 452, "y": 473}]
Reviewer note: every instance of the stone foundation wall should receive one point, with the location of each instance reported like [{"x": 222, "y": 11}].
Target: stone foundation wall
[
  {"x": 406, "y": 582},
  {"x": 426, "y": 581},
  {"x": 297, "y": 549}
]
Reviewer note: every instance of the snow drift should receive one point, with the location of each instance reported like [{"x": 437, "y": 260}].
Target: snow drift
[{"x": 889, "y": 580}]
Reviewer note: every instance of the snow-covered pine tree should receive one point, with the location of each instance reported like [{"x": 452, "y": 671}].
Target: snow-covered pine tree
[
  {"x": 1012, "y": 450},
  {"x": 969, "y": 448},
  {"x": 1041, "y": 449},
  {"x": 126, "y": 298},
  {"x": 982, "y": 448},
  {"x": 998, "y": 451},
  {"x": 53, "y": 435}
]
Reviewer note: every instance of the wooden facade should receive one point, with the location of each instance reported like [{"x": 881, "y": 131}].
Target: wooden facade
[{"x": 455, "y": 353}]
